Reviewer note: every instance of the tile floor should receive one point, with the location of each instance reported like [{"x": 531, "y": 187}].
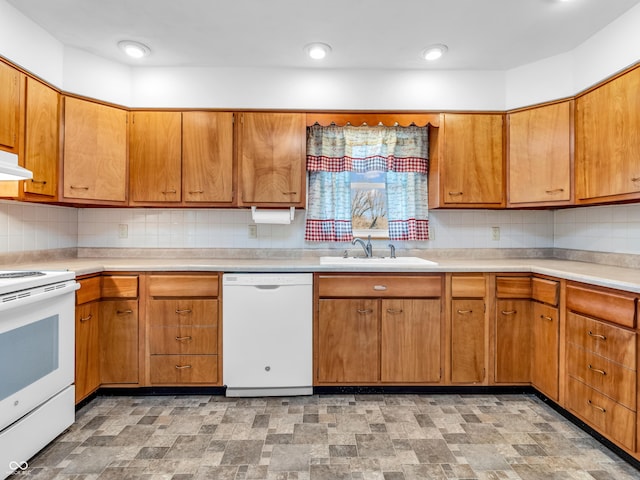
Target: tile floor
[{"x": 385, "y": 437}]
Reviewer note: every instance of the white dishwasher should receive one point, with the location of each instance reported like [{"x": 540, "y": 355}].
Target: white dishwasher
[{"x": 267, "y": 334}]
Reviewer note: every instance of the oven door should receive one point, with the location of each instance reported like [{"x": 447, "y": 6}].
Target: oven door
[{"x": 36, "y": 349}]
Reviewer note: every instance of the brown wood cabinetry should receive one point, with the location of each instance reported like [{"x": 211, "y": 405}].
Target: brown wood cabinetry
[
  {"x": 602, "y": 361},
  {"x": 95, "y": 152},
  {"x": 513, "y": 341},
  {"x": 607, "y": 141},
  {"x": 271, "y": 150},
  {"x": 11, "y": 94},
  {"x": 545, "y": 327},
  {"x": 207, "y": 157},
  {"x": 540, "y": 145},
  {"x": 365, "y": 335},
  {"x": 182, "y": 329},
  {"x": 471, "y": 162},
  {"x": 155, "y": 158},
  {"x": 87, "y": 374}
]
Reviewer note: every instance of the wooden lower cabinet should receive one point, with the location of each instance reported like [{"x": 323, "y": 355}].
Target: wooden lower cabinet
[
  {"x": 546, "y": 345},
  {"x": 468, "y": 341},
  {"x": 513, "y": 341},
  {"x": 119, "y": 332},
  {"x": 87, "y": 378},
  {"x": 184, "y": 369}
]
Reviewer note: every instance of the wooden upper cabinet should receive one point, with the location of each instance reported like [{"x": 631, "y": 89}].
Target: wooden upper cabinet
[
  {"x": 608, "y": 141},
  {"x": 207, "y": 157},
  {"x": 271, "y": 159},
  {"x": 95, "y": 152},
  {"x": 41, "y": 138},
  {"x": 539, "y": 155},
  {"x": 11, "y": 84},
  {"x": 472, "y": 161},
  {"x": 155, "y": 157}
]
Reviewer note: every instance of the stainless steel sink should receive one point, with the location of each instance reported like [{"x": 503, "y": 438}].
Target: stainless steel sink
[{"x": 400, "y": 261}]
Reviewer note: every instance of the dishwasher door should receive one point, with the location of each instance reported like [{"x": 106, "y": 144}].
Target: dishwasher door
[{"x": 267, "y": 334}]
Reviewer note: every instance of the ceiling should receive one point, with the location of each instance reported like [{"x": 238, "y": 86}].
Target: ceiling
[{"x": 364, "y": 34}]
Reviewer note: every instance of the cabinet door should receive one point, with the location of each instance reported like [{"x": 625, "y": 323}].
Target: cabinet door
[
  {"x": 207, "y": 157},
  {"x": 119, "y": 341},
  {"x": 271, "y": 159},
  {"x": 472, "y": 164},
  {"x": 87, "y": 349},
  {"x": 348, "y": 341},
  {"x": 546, "y": 331},
  {"x": 410, "y": 340},
  {"x": 95, "y": 151},
  {"x": 468, "y": 341},
  {"x": 155, "y": 157},
  {"x": 607, "y": 140},
  {"x": 513, "y": 341},
  {"x": 540, "y": 155},
  {"x": 10, "y": 83},
  {"x": 41, "y": 138}
]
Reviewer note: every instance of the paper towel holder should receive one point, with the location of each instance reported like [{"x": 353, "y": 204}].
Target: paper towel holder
[{"x": 254, "y": 209}]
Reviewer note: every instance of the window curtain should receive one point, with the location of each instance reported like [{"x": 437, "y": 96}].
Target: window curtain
[{"x": 333, "y": 152}]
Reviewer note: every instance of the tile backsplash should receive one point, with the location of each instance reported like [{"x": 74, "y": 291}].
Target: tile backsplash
[{"x": 26, "y": 227}]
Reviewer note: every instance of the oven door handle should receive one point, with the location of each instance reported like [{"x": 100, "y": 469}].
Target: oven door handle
[{"x": 21, "y": 301}]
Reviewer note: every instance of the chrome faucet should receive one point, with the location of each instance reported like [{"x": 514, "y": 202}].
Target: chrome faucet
[
  {"x": 393, "y": 250},
  {"x": 368, "y": 249}
]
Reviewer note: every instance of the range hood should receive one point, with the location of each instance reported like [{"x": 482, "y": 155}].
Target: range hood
[{"x": 9, "y": 168}]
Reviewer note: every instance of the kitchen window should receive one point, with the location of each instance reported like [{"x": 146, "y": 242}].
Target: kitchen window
[{"x": 367, "y": 181}]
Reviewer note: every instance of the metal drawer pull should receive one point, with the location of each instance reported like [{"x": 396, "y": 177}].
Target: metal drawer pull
[
  {"x": 289, "y": 193},
  {"x": 601, "y": 372},
  {"x": 394, "y": 311},
  {"x": 73, "y": 187},
  {"x": 182, "y": 339},
  {"x": 41, "y": 182},
  {"x": 555, "y": 190},
  {"x": 124, "y": 312},
  {"x": 544, "y": 317},
  {"x": 603, "y": 410},
  {"x": 455, "y": 193},
  {"x": 635, "y": 179},
  {"x": 509, "y": 312},
  {"x": 464, "y": 312},
  {"x": 196, "y": 191},
  {"x": 379, "y": 288},
  {"x": 364, "y": 311},
  {"x": 181, "y": 312},
  {"x": 182, "y": 367},
  {"x": 165, "y": 192},
  {"x": 86, "y": 319},
  {"x": 595, "y": 335}
]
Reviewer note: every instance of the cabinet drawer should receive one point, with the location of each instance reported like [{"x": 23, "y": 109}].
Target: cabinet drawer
[
  {"x": 609, "y": 341},
  {"x": 513, "y": 287},
  {"x": 182, "y": 312},
  {"x": 609, "y": 417},
  {"x": 119, "y": 287},
  {"x": 181, "y": 369},
  {"x": 183, "y": 340},
  {"x": 343, "y": 286},
  {"x": 467, "y": 286},
  {"x": 605, "y": 376},
  {"x": 545, "y": 291},
  {"x": 89, "y": 290},
  {"x": 183, "y": 285},
  {"x": 617, "y": 307}
]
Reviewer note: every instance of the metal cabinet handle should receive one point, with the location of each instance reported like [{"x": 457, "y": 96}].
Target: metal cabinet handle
[
  {"x": 554, "y": 190},
  {"x": 364, "y": 311},
  {"x": 86, "y": 319},
  {"x": 601, "y": 372},
  {"x": 455, "y": 193},
  {"x": 544, "y": 317},
  {"x": 464, "y": 312},
  {"x": 165, "y": 192},
  {"x": 289, "y": 193},
  {"x": 124, "y": 312},
  {"x": 183, "y": 312},
  {"x": 635, "y": 179},
  {"x": 394, "y": 311},
  {"x": 595, "y": 335},
  {"x": 196, "y": 191},
  {"x": 597, "y": 407},
  {"x": 73, "y": 187},
  {"x": 379, "y": 288},
  {"x": 509, "y": 312},
  {"x": 40, "y": 182},
  {"x": 182, "y": 339},
  {"x": 182, "y": 367}
]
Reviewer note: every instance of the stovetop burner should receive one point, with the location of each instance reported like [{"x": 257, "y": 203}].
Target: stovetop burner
[{"x": 21, "y": 274}]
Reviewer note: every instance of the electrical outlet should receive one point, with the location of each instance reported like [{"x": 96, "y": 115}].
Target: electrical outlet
[
  {"x": 253, "y": 231},
  {"x": 495, "y": 233},
  {"x": 432, "y": 233},
  {"x": 123, "y": 230}
]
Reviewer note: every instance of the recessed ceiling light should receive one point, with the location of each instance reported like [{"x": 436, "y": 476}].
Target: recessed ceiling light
[
  {"x": 317, "y": 51},
  {"x": 434, "y": 52},
  {"x": 134, "y": 49}
]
